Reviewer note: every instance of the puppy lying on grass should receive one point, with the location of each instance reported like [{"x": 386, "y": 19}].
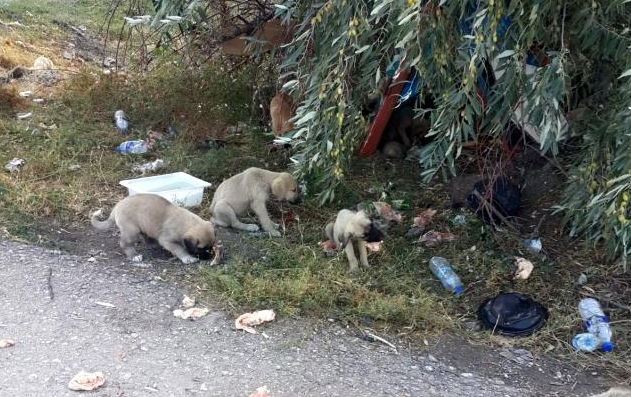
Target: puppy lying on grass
[{"x": 354, "y": 231}]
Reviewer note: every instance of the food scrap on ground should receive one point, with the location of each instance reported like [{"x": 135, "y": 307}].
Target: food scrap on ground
[
  {"x": 524, "y": 268},
  {"x": 188, "y": 302},
  {"x": 193, "y": 313},
  {"x": 386, "y": 212},
  {"x": 328, "y": 246},
  {"x": 86, "y": 381},
  {"x": 433, "y": 238},
  {"x": 424, "y": 218},
  {"x": 375, "y": 246},
  {"x": 6, "y": 343},
  {"x": 247, "y": 320},
  {"x": 260, "y": 392},
  {"x": 219, "y": 251}
]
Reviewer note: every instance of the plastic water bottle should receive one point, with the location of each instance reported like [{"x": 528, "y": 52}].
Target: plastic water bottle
[
  {"x": 133, "y": 147},
  {"x": 585, "y": 342},
  {"x": 450, "y": 280},
  {"x": 596, "y": 322}
]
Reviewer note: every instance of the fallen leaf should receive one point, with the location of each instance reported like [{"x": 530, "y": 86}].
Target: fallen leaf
[
  {"x": 425, "y": 218},
  {"x": 86, "y": 381},
  {"x": 374, "y": 247},
  {"x": 433, "y": 238},
  {"x": 191, "y": 314},
  {"x": 524, "y": 268},
  {"x": 188, "y": 302},
  {"x": 260, "y": 392},
  {"x": 328, "y": 246},
  {"x": 386, "y": 212},
  {"x": 247, "y": 320},
  {"x": 6, "y": 343}
]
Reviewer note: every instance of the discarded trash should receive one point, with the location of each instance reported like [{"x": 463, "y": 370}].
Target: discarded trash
[
  {"x": 433, "y": 238},
  {"x": 188, "y": 302},
  {"x": 415, "y": 232},
  {"x": 148, "y": 167},
  {"x": 524, "y": 268},
  {"x": 585, "y": 342},
  {"x": 23, "y": 116},
  {"x": 520, "y": 356},
  {"x": 48, "y": 127},
  {"x": 459, "y": 220},
  {"x": 512, "y": 314},
  {"x": 596, "y": 322},
  {"x": 120, "y": 119},
  {"x": 247, "y": 320},
  {"x": 219, "y": 251},
  {"x": 260, "y": 392},
  {"x": 4, "y": 343},
  {"x": 26, "y": 94},
  {"x": 104, "y": 304},
  {"x": 171, "y": 131},
  {"x": 74, "y": 167},
  {"x": 42, "y": 63},
  {"x": 14, "y": 165},
  {"x": 582, "y": 279},
  {"x": 532, "y": 245},
  {"x": 443, "y": 271},
  {"x": 425, "y": 218},
  {"x": 193, "y": 313},
  {"x": 505, "y": 199},
  {"x": 133, "y": 147},
  {"x": 38, "y": 100},
  {"x": 370, "y": 337},
  {"x": 86, "y": 381},
  {"x": 109, "y": 62}
]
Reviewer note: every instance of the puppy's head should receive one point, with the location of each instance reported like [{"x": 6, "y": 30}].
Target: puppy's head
[
  {"x": 200, "y": 240},
  {"x": 362, "y": 227},
  {"x": 285, "y": 188}
]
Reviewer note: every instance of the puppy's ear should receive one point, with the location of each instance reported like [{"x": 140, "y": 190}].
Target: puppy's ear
[
  {"x": 190, "y": 244},
  {"x": 277, "y": 187}
]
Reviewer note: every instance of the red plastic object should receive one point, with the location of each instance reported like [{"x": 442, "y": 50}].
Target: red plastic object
[{"x": 383, "y": 114}]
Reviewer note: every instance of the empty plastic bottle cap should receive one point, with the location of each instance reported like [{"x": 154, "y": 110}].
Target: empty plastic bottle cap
[
  {"x": 607, "y": 347},
  {"x": 459, "y": 289}
]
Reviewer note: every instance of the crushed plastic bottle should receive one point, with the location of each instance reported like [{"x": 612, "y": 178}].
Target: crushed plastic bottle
[
  {"x": 533, "y": 245},
  {"x": 120, "y": 119},
  {"x": 596, "y": 322},
  {"x": 585, "y": 342},
  {"x": 133, "y": 147},
  {"x": 443, "y": 271}
]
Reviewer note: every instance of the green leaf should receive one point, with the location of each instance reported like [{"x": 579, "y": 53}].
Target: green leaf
[{"x": 627, "y": 72}]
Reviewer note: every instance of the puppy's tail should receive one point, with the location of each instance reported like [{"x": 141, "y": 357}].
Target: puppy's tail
[
  {"x": 328, "y": 231},
  {"x": 101, "y": 225}
]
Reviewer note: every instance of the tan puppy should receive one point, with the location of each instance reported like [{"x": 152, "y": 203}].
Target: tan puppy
[
  {"x": 350, "y": 231},
  {"x": 249, "y": 191},
  {"x": 281, "y": 109},
  {"x": 176, "y": 229}
]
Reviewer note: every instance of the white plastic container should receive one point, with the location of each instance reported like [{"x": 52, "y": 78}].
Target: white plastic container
[{"x": 179, "y": 188}]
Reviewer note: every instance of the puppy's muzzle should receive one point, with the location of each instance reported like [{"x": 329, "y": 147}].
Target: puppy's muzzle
[{"x": 373, "y": 235}]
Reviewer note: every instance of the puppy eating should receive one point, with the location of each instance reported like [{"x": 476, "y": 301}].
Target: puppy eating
[
  {"x": 354, "y": 231},
  {"x": 249, "y": 191},
  {"x": 179, "y": 231}
]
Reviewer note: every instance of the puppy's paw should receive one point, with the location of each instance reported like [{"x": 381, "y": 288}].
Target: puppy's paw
[
  {"x": 187, "y": 260},
  {"x": 274, "y": 233},
  {"x": 365, "y": 265},
  {"x": 137, "y": 258},
  {"x": 251, "y": 227}
]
